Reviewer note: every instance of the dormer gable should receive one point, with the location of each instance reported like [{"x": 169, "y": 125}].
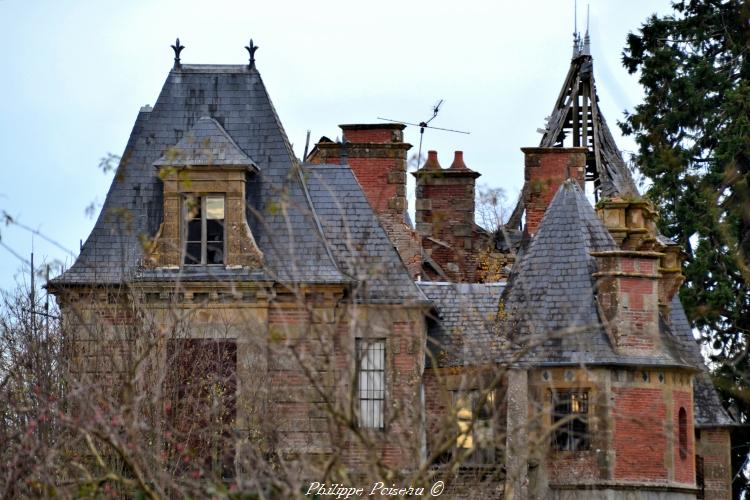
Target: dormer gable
[
  {"x": 207, "y": 144},
  {"x": 205, "y": 222}
]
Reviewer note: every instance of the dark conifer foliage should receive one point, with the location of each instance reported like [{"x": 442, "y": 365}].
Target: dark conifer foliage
[{"x": 693, "y": 135}]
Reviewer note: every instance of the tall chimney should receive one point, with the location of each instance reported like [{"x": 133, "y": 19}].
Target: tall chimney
[
  {"x": 628, "y": 296},
  {"x": 632, "y": 224},
  {"x": 445, "y": 215},
  {"x": 545, "y": 169},
  {"x": 376, "y": 154}
]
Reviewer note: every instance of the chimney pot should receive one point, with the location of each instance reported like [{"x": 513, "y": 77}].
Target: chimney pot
[
  {"x": 432, "y": 161},
  {"x": 458, "y": 161}
]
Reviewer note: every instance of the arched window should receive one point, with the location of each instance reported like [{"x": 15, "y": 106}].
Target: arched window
[{"x": 683, "y": 433}]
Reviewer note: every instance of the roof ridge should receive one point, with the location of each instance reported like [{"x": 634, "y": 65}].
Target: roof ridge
[
  {"x": 277, "y": 120},
  {"x": 222, "y": 130}
]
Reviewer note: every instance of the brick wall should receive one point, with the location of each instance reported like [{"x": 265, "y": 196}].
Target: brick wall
[
  {"x": 628, "y": 294},
  {"x": 714, "y": 447},
  {"x": 438, "y": 401},
  {"x": 684, "y": 468},
  {"x": 376, "y": 154},
  {"x": 640, "y": 438},
  {"x": 445, "y": 216},
  {"x": 544, "y": 171},
  {"x": 304, "y": 348}
]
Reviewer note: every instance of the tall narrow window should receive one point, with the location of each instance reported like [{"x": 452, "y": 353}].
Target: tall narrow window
[
  {"x": 203, "y": 230},
  {"x": 371, "y": 382},
  {"x": 474, "y": 413},
  {"x": 200, "y": 405},
  {"x": 570, "y": 427},
  {"x": 682, "y": 424}
]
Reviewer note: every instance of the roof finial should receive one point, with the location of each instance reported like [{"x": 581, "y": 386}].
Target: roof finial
[
  {"x": 177, "y": 49},
  {"x": 586, "y": 40},
  {"x": 576, "y": 36},
  {"x": 251, "y": 48}
]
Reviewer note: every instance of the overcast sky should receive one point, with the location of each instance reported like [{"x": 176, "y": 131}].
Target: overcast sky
[{"x": 76, "y": 73}]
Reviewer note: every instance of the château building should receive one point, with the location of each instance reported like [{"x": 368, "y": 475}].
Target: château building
[{"x": 294, "y": 310}]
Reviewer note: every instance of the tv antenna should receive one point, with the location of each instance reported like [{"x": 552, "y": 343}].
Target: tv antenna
[{"x": 426, "y": 124}]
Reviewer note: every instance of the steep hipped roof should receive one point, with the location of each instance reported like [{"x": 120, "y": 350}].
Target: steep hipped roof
[
  {"x": 550, "y": 302},
  {"x": 278, "y": 208},
  {"x": 358, "y": 242},
  {"x": 465, "y": 322},
  {"x": 709, "y": 411},
  {"x": 206, "y": 144}
]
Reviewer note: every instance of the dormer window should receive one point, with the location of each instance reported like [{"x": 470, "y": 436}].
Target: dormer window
[
  {"x": 203, "y": 233},
  {"x": 205, "y": 215}
]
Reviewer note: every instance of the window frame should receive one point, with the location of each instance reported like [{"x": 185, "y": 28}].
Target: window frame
[
  {"x": 184, "y": 229},
  {"x": 482, "y": 406},
  {"x": 574, "y": 423},
  {"x": 360, "y": 344}
]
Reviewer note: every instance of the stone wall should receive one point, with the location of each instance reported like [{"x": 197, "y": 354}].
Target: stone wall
[{"x": 294, "y": 363}]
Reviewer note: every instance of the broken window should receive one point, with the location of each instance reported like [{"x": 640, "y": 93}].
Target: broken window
[
  {"x": 570, "y": 426},
  {"x": 200, "y": 406},
  {"x": 203, "y": 231},
  {"x": 476, "y": 436},
  {"x": 371, "y": 382}
]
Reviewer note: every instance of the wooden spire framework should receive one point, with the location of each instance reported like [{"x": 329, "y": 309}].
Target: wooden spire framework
[{"x": 577, "y": 121}]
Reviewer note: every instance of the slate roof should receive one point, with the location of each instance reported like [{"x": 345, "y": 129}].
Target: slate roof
[
  {"x": 551, "y": 316},
  {"x": 709, "y": 411},
  {"x": 359, "y": 244},
  {"x": 463, "y": 323},
  {"x": 206, "y": 144},
  {"x": 278, "y": 206}
]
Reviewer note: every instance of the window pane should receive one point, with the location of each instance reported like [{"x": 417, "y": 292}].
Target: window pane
[
  {"x": 214, "y": 208},
  {"x": 377, "y": 414},
  {"x": 214, "y": 230},
  {"x": 215, "y": 252},
  {"x": 194, "y": 230},
  {"x": 192, "y": 207},
  {"x": 365, "y": 413},
  {"x": 570, "y": 420},
  {"x": 378, "y": 355},
  {"x": 371, "y": 382},
  {"x": 193, "y": 253}
]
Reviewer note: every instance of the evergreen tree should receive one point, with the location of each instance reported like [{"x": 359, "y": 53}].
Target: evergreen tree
[{"x": 693, "y": 135}]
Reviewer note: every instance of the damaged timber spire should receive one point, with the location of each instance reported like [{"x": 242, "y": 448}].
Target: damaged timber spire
[{"x": 577, "y": 121}]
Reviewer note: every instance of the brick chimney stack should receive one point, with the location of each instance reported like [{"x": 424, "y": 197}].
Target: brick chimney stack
[
  {"x": 628, "y": 296},
  {"x": 632, "y": 224},
  {"x": 445, "y": 215},
  {"x": 377, "y": 155},
  {"x": 545, "y": 170}
]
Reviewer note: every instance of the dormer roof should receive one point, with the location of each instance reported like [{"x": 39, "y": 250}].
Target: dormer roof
[{"x": 206, "y": 144}]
